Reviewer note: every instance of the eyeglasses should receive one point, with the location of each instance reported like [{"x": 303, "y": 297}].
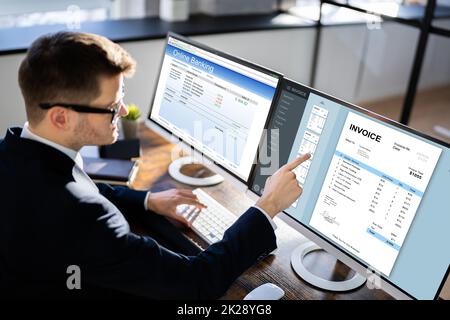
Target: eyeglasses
[{"x": 113, "y": 109}]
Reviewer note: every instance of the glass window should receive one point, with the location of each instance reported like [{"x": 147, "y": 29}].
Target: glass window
[{"x": 26, "y": 13}]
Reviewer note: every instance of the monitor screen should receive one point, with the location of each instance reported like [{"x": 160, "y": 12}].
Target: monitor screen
[
  {"x": 217, "y": 103},
  {"x": 374, "y": 189}
]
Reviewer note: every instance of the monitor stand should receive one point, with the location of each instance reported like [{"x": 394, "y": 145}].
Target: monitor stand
[
  {"x": 297, "y": 258},
  {"x": 189, "y": 171}
]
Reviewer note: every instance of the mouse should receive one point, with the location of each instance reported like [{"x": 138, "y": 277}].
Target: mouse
[{"x": 267, "y": 291}]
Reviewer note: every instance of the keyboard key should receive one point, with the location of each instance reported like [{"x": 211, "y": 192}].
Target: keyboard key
[{"x": 209, "y": 223}]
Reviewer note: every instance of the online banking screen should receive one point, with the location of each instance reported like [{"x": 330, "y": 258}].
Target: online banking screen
[
  {"x": 215, "y": 104},
  {"x": 374, "y": 190}
]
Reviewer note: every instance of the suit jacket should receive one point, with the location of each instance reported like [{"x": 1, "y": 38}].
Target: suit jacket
[{"x": 51, "y": 219}]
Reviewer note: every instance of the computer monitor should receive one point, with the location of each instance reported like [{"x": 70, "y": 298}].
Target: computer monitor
[
  {"x": 375, "y": 192},
  {"x": 214, "y": 102}
]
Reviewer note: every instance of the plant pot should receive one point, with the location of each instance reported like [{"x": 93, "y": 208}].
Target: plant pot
[{"x": 130, "y": 128}]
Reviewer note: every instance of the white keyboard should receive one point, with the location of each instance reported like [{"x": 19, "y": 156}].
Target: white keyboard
[{"x": 210, "y": 223}]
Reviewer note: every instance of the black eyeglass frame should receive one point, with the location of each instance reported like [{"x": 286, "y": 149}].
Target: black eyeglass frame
[{"x": 113, "y": 109}]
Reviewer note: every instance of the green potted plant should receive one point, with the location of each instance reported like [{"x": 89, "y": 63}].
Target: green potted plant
[{"x": 130, "y": 122}]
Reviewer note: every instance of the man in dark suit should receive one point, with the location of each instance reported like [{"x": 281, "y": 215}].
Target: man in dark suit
[{"x": 56, "y": 222}]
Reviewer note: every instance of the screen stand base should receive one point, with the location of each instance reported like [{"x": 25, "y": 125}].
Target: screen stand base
[
  {"x": 339, "y": 286},
  {"x": 187, "y": 170}
]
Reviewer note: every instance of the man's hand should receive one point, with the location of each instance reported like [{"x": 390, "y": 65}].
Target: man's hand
[
  {"x": 165, "y": 203},
  {"x": 282, "y": 188}
]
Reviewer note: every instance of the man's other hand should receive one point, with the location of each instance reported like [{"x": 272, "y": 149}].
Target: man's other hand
[
  {"x": 282, "y": 188},
  {"x": 165, "y": 203}
]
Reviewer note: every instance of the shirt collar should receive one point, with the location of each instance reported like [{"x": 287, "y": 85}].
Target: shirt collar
[{"x": 74, "y": 155}]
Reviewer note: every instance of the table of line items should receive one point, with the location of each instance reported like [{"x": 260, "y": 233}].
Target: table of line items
[{"x": 373, "y": 188}]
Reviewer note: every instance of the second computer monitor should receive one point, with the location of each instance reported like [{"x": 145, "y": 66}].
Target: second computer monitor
[
  {"x": 216, "y": 103},
  {"x": 375, "y": 193}
]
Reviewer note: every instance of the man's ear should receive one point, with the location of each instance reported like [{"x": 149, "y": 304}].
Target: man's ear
[{"x": 59, "y": 117}]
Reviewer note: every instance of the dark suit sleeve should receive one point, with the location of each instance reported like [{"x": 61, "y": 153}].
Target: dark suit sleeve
[
  {"x": 120, "y": 260},
  {"x": 131, "y": 204},
  {"x": 124, "y": 198}
]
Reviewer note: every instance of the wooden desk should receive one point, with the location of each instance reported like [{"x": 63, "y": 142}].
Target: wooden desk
[{"x": 156, "y": 156}]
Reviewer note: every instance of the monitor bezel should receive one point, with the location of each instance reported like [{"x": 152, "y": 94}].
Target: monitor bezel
[
  {"x": 321, "y": 240},
  {"x": 151, "y": 123}
]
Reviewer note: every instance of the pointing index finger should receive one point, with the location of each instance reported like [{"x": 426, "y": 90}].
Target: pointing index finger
[{"x": 296, "y": 162}]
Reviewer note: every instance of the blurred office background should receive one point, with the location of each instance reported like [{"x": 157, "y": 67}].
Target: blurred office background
[{"x": 377, "y": 61}]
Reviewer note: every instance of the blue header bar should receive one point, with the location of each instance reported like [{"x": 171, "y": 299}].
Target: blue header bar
[
  {"x": 238, "y": 79},
  {"x": 380, "y": 174}
]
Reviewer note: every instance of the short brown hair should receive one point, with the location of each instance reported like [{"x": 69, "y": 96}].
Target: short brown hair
[{"x": 66, "y": 66}]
